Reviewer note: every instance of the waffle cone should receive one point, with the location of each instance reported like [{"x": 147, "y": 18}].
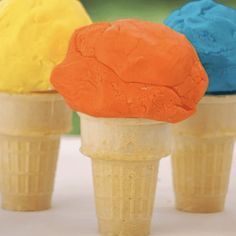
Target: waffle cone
[
  {"x": 125, "y": 157},
  {"x": 202, "y": 156},
  {"x": 125, "y": 195},
  {"x": 29, "y": 142}
]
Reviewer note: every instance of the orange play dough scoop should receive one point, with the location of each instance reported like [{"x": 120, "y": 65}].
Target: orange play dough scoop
[{"x": 131, "y": 69}]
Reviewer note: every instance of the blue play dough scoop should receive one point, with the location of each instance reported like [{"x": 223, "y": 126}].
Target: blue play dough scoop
[{"x": 211, "y": 28}]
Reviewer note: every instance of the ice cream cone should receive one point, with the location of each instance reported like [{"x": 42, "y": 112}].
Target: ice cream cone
[
  {"x": 125, "y": 156},
  {"x": 30, "y": 131},
  {"x": 202, "y": 155}
]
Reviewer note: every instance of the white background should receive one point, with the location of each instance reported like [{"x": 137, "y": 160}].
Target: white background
[{"x": 73, "y": 212}]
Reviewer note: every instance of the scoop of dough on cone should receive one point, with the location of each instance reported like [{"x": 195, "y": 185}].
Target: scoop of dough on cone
[
  {"x": 128, "y": 79},
  {"x": 34, "y": 37}
]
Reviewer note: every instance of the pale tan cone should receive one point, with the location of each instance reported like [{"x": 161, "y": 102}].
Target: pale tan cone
[
  {"x": 202, "y": 155},
  {"x": 30, "y": 129},
  {"x": 125, "y": 157}
]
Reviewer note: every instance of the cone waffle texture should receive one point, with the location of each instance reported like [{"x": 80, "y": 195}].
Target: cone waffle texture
[
  {"x": 30, "y": 131},
  {"x": 125, "y": 157},
  {"x": 202, "y": 156},
  {"x": 125, "y": 194}
]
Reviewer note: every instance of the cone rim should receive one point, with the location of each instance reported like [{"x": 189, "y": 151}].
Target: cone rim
[
  {"x": 215, "y": 99},
  {"x": 123, "y": 121},
  {"x": 38, "y": 96}
]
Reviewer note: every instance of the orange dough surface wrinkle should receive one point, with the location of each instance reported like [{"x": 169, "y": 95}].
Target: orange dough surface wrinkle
[{"x": 131, "y": 69}]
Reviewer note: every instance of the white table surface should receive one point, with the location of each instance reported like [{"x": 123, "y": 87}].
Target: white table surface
[{"x": 73, "y": 212}]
